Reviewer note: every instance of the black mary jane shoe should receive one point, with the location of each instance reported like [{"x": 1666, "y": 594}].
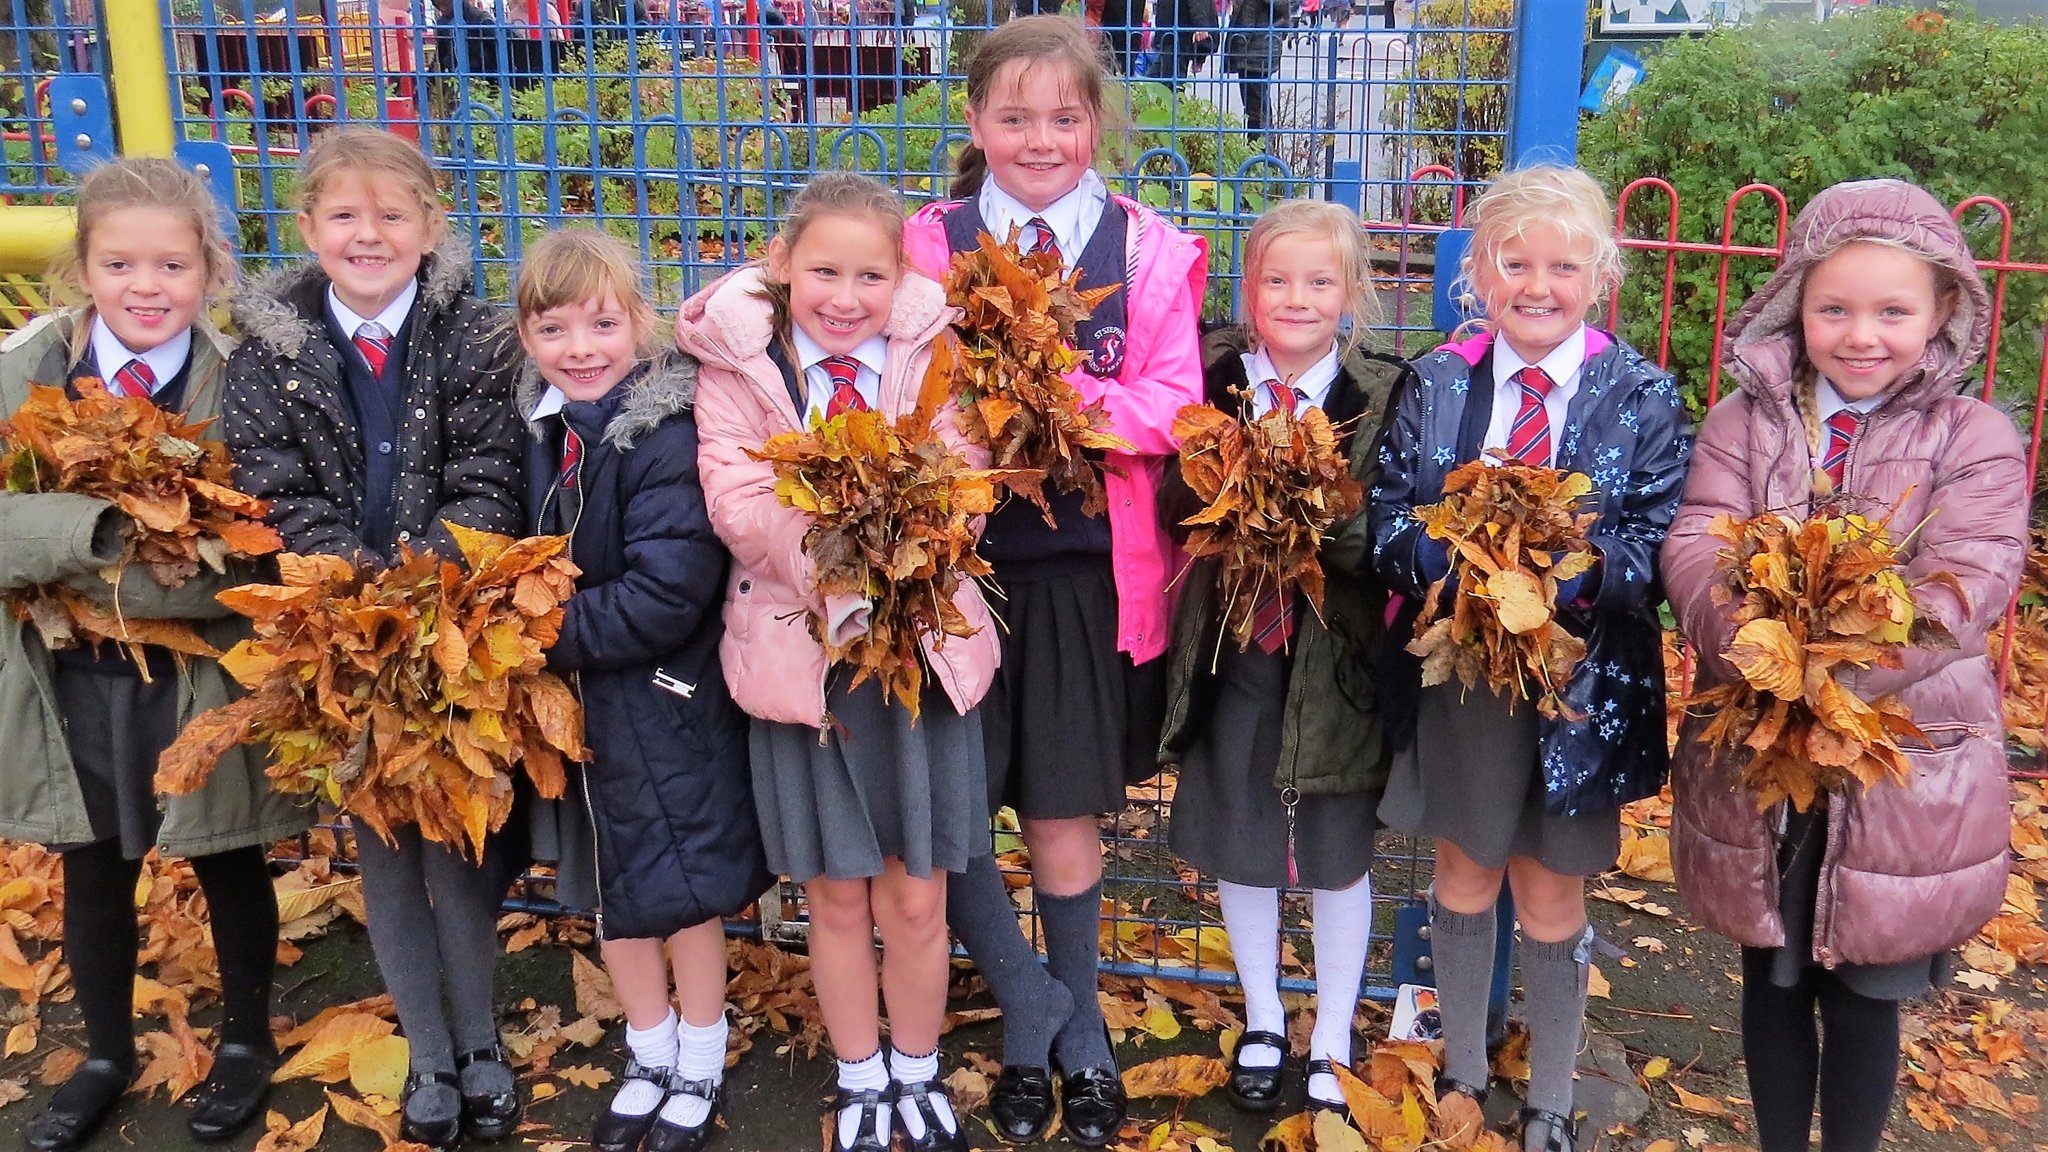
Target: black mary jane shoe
[
  {"x": 1446, "y": 1085},
  {"x": 873, "y": 1105},
  {"x": 1556, "y": 1133},
  {"x": 1022, "y": 1104},
  {"x": 1256, "y": 1089},
  {"x": 936, "y": 1138},
  {"x": 234, "y": 1091},
  {"x": 670, "y": 1137},
  {"x": 1326, "y": 1068},
  {"x": 489, "y": 1116},
  {"x": 618, "y": 1132},
  {"x": 1092, "y": 1106},
  {"x": 88, "y": 1098},
  {"x": 440, "y": 1134}
]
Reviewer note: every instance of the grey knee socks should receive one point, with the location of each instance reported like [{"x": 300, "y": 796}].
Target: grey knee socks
[
  {"x": 1461, "y": 948},
  {"x": 1034, "y": 1004},
  {"x": 1554, "y": 996},
  {"x": 1072, "y": 927}
]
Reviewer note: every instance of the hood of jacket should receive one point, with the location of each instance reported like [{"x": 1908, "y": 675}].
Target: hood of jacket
[
  {"x": 267, "y": 310},
  {"x": 1764, "y": 344},
  {"x": 666, "y": 385},
  {"x": 725, "y": 321}
]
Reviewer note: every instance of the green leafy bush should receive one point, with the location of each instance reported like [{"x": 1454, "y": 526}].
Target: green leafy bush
[
  {"x": 1458, "y": 106},
  {"x": 1954, "y": 104}
]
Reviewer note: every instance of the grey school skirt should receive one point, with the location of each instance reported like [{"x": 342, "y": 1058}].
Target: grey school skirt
[
  {"x": 875, "y": 787},
  {"x": 1470, "y": 777}
]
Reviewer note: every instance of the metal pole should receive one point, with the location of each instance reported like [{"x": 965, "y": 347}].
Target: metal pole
[
  {"x": 1543, "y": 87},
  {"x": 140, "y": 78}
]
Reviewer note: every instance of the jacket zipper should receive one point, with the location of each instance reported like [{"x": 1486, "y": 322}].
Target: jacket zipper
[{"x": 576, "y": 682}]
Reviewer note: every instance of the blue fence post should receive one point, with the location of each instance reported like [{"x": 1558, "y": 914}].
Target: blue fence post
[{"x": 1543, "y": 81}]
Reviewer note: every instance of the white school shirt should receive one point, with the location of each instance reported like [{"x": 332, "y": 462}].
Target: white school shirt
[
  {"x": 1564, "y": 365},
  {"x": 1073, "y": 217},
  {"x": 165, "y": 360},
  {"x": 391, "y": 319},
  {"x": 817, "y": 382},
  {"x": 1313, "y": 384}
]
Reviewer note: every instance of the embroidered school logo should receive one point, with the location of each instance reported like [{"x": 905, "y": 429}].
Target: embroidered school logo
[{"x": 1109, "y": 352}]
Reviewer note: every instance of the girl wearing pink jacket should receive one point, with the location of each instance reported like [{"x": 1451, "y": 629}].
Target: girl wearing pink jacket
[
  {"x": 864, "y": 808},
  {"x": 1077, "y": 706},
  {"x": 1853, "y": 364}
]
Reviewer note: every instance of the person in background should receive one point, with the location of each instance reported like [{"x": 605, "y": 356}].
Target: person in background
[{"x": 1251, "y": 51}]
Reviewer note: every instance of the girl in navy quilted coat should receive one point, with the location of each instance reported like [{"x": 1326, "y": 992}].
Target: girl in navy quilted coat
[{"x": 659, "y": 832}]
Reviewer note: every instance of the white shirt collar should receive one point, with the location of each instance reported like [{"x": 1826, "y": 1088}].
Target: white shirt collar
[
  {"x": 165, "y": 360},
  {"x": 873, "y": 352},
  {"x": 551, "y": 401},
  {"x": 1073, "y": 217},
  {"x": 1830, "y": 401},
  {"x": 1313, "y": 384},
  {"x": 391, "y": 319},
  {"x": 1562, "y": 364}
]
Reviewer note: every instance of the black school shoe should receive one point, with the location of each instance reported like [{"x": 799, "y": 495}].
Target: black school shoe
[
  {"x": 489, "y": 1116},
  {"x": 669, "y": 1137},
  {"x": 1256, "y": 1089},
  {"x": 234, "y": 1091},
  {"x": 1022, "y": 1104},
  {"x": 1545, "y": 1131},
  {"x": 438, "y": 1134},
  {"x": 79, "y": 1108},
  {"x": 1092, "y": 1106},
  {"x": 618, "y": 1132},
  {"x": 936, "y": 1138},
  {"x": 867, "y": 1135}
]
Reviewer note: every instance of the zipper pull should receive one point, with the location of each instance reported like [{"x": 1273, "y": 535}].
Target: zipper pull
[{"x": 1291, "y": 796}]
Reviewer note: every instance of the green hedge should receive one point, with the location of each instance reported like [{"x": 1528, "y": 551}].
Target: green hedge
[{"x": 1955, "y": 104}]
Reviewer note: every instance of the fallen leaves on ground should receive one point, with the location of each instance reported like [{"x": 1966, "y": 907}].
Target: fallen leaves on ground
[
  {"x": 175, "y": 489},
  {"x": 1515, "y": 532},
  {"x": 1008, "y": 371},
  {"x": 1183, "y": 1077},
  {"x": 2026, "y": 681},
  {"x": 1810, "y": 600},
  {"x": 1270, "y": 489},
  {"x": 894, "y": 515},
  {"x": 405, "y": 695}
]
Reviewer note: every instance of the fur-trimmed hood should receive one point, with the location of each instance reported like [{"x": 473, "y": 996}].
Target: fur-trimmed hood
[
  {"x": 663, "y": 387},
  {"x": 271, "y": 309},
  {"x": 726, "y": 319},
  {"x": 1764, "y": 343}
]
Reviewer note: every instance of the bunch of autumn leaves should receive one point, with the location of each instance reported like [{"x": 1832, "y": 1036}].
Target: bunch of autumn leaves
[{"x": 405, "y": 695}]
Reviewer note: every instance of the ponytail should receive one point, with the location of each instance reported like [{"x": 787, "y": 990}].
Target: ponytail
[{"x": 970, "y": 172}]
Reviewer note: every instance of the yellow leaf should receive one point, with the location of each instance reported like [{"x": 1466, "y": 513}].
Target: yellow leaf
[
  {"x": 378, "y": 1067},
  {"x": 1289, "y": 1135},
  {"x": 1332, "y": 1134},
  {"x": 594, "y": 993},
  {"x": 326, "y": 1054},
  {"x": 281, "y": 1135},
  {"x": 586, "y": 1076},
  {"x": 1184, "y": 1077},
  {"x": 350, "y": 1110},
  {"x": 1519, "y": 600},
  {"x": 1596, "y": 984},
  {"x": 1700, "y": 1105},
  {"x": 1768, "y": 656},
  {"x": 1656, "y": 1068},
  {"x": 1160, "y": 1021},
  {"x": 21, "y": 1039}
]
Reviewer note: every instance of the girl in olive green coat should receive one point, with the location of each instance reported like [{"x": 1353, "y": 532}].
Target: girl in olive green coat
[
  {"x": 1280, "y": 743},
  {"x": 83, "y": 729}
]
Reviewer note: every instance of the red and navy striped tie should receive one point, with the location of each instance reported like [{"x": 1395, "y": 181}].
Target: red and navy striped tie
[
  {"x": 135, "y": 379},
  {"x": 1273, "y": 618},
  {"x": 1529, "y": 435},
  {"x": 843, "y": 370},
  {"x": 1045, "y": 241},
  {"x": 375, "y": 346},
  {"x": 572, "y": 455},
  {"x": 1842, "y": 428}
]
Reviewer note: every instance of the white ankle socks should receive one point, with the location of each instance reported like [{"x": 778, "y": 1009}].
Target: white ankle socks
[
  {"x": 700, "y": 1055},
  {"x": 1342, "y": 928},
  {"x": 906, "y": 1069},
  {"x": 653, "y": 1048},
  {"x": 1252, "y": 917},
  {"x": 869, "y": 1075}
]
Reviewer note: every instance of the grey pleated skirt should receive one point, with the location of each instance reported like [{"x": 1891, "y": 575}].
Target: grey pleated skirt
[
  {"x": 876, "y": 787},
  {"x": 1470, "y": 776},
  {"x": 117, "y": 726},
  {"x": 1227, "y": 816}
]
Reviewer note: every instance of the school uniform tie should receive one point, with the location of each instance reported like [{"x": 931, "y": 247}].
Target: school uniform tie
[
  {"x": 1529, "y": 435},
  {"x": 1273, "y": 618},
  {"x": 843, "y": 370},
  {"x": 1842, "y": 428},
  {"x": 1044, "y": 241},
  {"x": 135, "y": 379},
  {"x": 375, "y": 345},
  {"x": 572, "y": 456}
]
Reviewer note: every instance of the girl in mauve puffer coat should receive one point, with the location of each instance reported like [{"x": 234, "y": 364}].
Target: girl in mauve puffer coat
[{"x": 1852, "y": 363}]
